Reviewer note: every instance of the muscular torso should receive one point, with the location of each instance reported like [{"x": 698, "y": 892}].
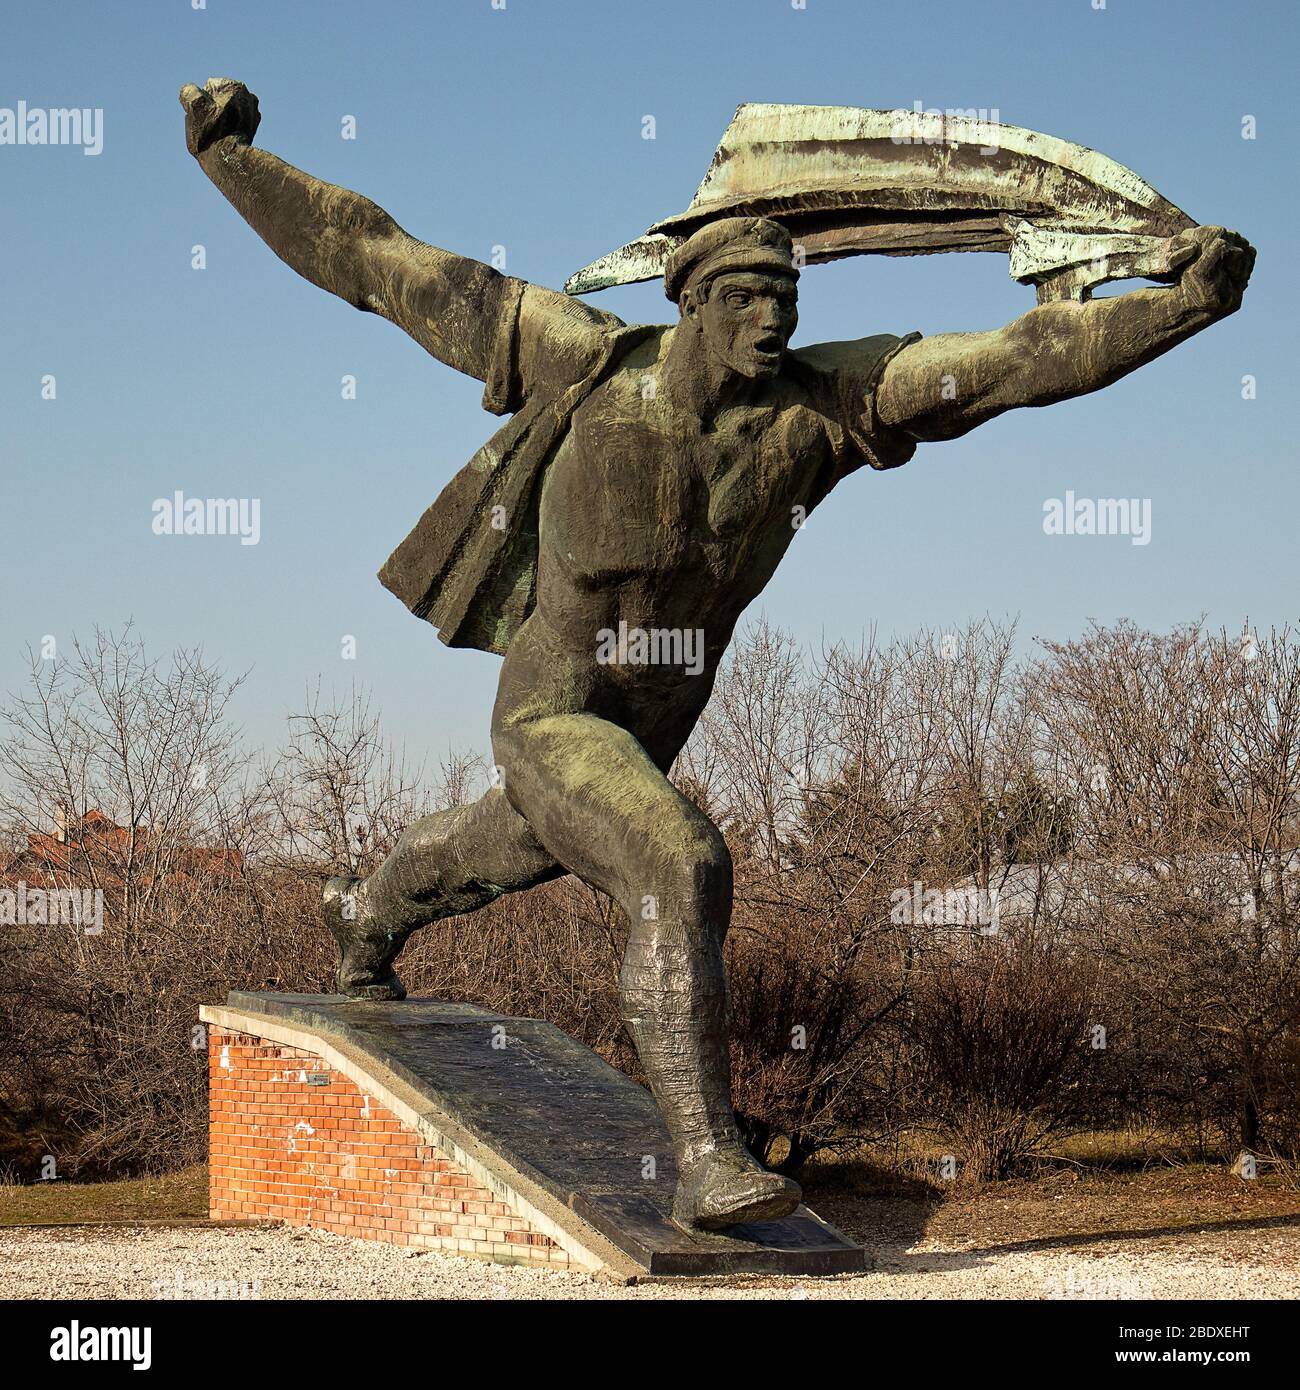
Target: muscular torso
[{"x": 652, "y": 518}]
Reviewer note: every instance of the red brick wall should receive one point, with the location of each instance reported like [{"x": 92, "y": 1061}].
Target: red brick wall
[{"x": 330, "y": 1156}]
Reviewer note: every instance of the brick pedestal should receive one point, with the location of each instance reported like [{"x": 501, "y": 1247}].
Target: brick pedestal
[
  {"x": 427, "y": 1123},
  {"x": 293, "y": 1139}
]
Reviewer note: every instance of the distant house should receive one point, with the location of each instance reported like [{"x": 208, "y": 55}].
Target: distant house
[{"x": 77, "y": 843}]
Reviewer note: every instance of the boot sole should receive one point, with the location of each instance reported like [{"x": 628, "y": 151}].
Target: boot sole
[{"x": 393, "y": 991}]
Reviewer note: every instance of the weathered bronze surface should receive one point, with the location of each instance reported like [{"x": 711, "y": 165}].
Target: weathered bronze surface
[
  {"x": 846, "y": 181},
  {"x": 608, "y": 537}
]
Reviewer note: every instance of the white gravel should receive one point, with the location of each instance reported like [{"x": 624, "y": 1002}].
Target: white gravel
[{"x": 278, "y": 1263}]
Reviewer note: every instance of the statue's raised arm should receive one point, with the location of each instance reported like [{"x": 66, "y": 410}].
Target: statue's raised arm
[
  {"x": 456, "y": 308},
  {"x": 943, "y": 386}
]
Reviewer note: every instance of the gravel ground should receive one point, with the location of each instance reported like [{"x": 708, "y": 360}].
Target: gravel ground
[{"x": 279, "y": 1263}]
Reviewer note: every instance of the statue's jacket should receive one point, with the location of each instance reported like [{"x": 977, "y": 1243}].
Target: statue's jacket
[{"x": 469, "y": 566}]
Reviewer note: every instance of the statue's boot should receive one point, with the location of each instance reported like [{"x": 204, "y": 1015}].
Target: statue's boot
[
  {"x": 367, "y": 949},
  {"x": 729, "y": 1187},
  {"x": 681, "y": 1034}
]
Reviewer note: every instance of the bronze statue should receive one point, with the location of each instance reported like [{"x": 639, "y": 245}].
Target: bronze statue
[{"x": 609, "y": 536}]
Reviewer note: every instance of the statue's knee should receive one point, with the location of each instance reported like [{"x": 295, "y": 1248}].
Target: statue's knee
[
  {"x": 429, "y": 834},
  {"x": 688, "y": 886},
  {"x": 708, "y": 870}
]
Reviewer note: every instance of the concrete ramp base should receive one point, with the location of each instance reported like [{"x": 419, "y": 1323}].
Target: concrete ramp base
[{"x": 451, "y": 1127}]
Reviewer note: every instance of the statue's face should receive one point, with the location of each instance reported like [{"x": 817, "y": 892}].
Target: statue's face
[{"x": 748, "y": 320}]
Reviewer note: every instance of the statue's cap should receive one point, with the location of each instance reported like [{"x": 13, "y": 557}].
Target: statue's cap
[{"x": 731, "y": 243}]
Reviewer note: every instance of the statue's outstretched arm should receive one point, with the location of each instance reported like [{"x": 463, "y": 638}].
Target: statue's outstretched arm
[
  {"x": 941, "y": 387},
  {"x": 451, "y": 305}
]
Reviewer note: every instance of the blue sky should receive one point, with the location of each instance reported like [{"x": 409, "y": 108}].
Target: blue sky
[{"x": 521, "y": 127}]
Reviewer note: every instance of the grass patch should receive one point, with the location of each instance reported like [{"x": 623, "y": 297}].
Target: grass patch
[{"x": 169, "y": 1199}]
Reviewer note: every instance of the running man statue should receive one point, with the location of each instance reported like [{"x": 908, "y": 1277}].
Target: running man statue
[{"x": 607, "y": 540}]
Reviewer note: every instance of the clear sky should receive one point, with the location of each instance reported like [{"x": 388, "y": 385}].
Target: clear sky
[{"x": 522, "y": 127}]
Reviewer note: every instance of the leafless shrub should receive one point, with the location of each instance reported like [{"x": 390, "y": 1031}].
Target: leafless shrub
[{"x": 1002, "y": 1052}]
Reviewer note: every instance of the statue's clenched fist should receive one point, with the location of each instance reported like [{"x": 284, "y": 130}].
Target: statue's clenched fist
[
  {"x": 221, "y": 107},
  {"x": 1216, "y": 269}
]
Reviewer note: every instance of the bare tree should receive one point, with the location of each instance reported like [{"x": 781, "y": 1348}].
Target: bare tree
[{"x": 338, "y": 794}]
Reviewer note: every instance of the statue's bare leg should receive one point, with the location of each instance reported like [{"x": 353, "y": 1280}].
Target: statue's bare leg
[{"x": 599, "y": 804}]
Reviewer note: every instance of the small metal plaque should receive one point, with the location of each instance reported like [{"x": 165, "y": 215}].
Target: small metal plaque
[{"x": 318, "y": 1078}]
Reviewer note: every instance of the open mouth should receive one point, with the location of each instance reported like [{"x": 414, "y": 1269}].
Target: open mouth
[{"x": 768, "y": 348}]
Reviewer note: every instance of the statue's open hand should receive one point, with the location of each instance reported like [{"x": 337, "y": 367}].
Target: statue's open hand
[
  {"x": 1216, "y": 268},
  {"x": 222, "y": 107}
]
